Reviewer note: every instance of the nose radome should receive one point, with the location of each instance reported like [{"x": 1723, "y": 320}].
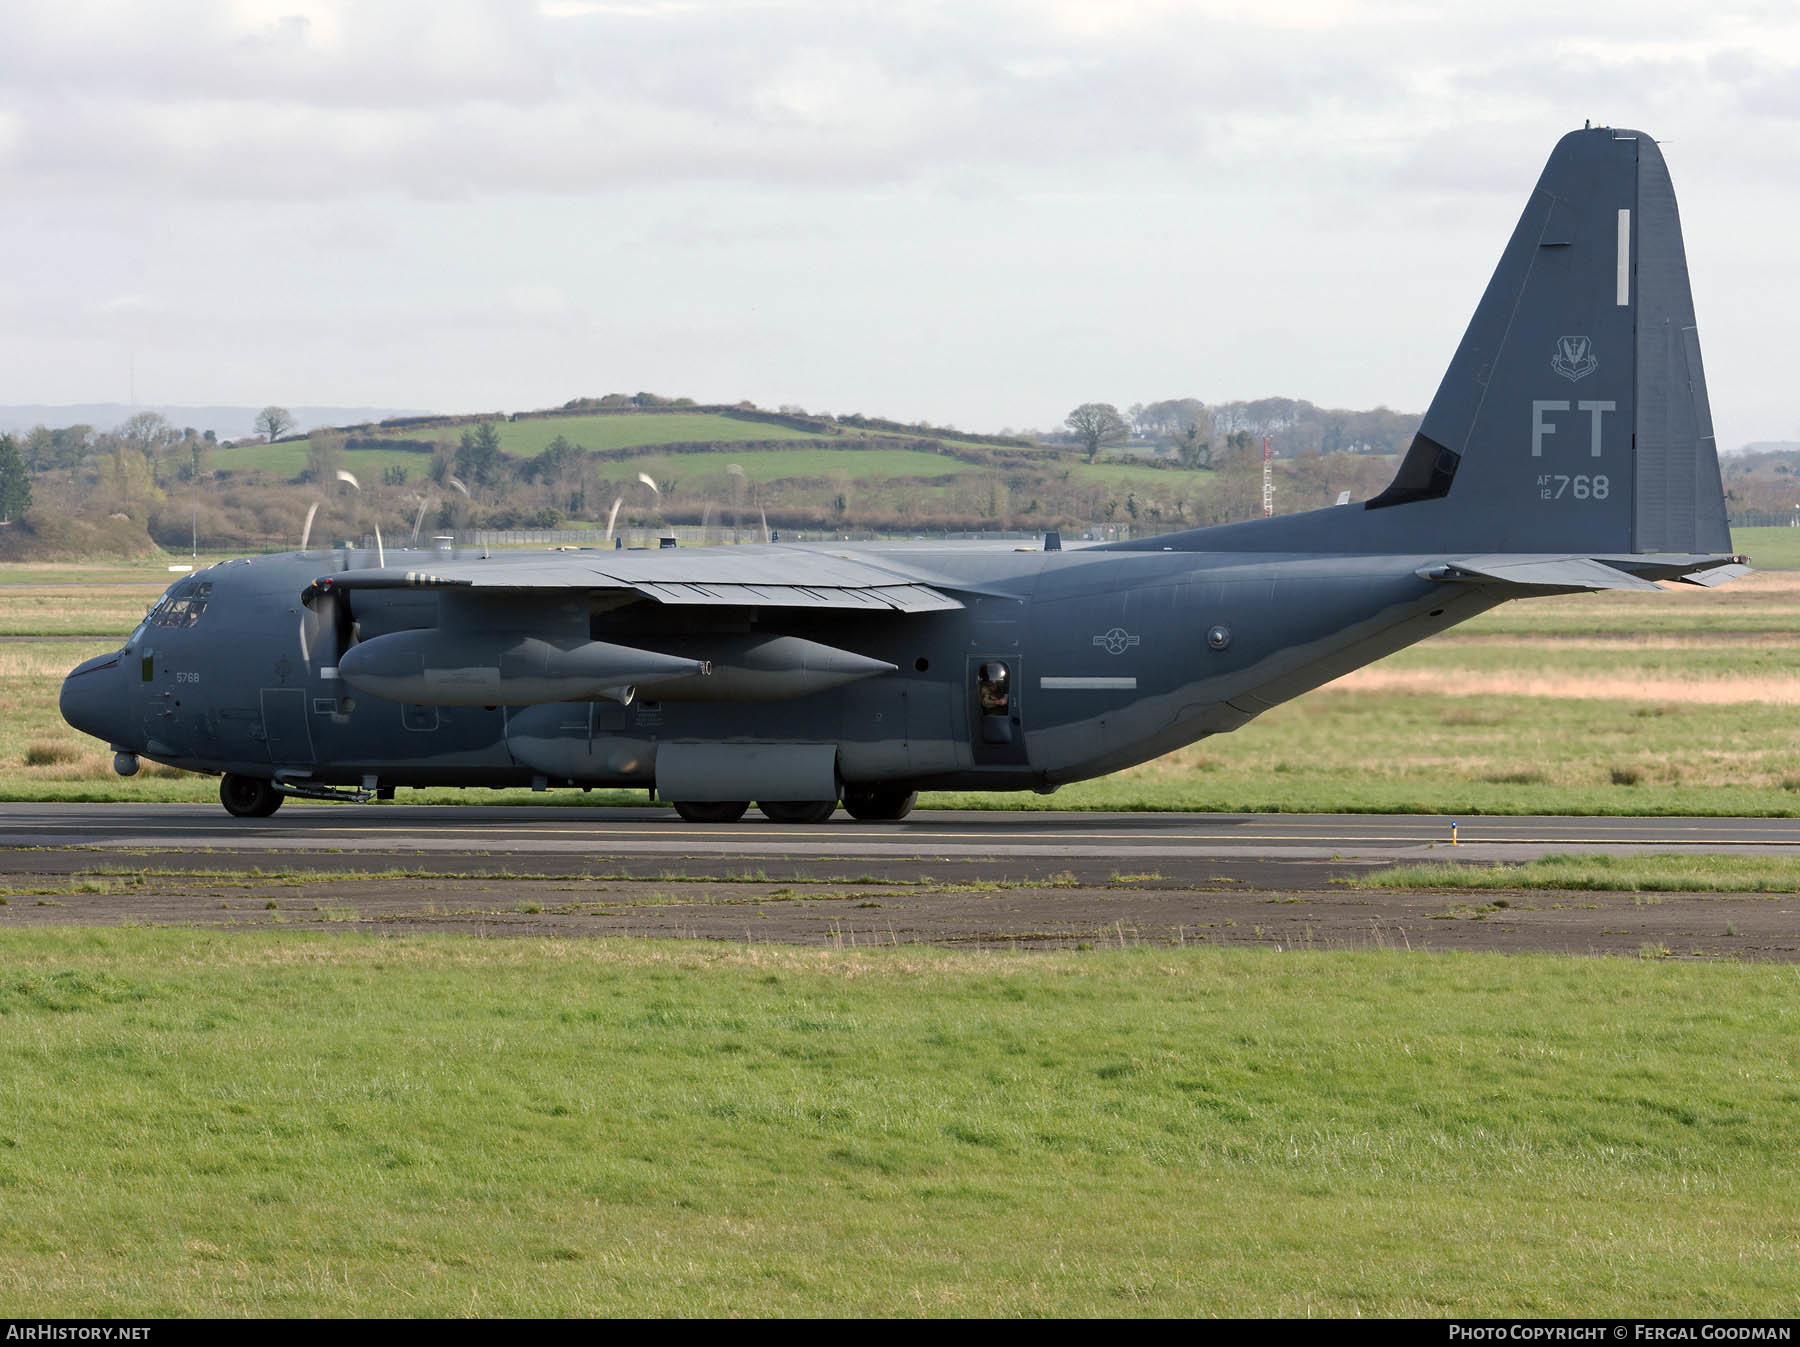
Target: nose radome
[{"x": 93, "y": 699}]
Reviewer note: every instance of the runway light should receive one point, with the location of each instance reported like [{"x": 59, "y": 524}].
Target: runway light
[{"x": 1453, "y": 841}]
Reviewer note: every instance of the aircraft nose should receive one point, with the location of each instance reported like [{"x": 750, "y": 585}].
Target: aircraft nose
[{"x": 93, "y": 699}]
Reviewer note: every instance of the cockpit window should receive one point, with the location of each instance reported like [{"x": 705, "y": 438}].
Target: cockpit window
[{"x": 183, "y": 605}]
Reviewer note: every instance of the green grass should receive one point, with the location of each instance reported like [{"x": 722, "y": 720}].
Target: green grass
[
  {"x": 1412, "y": 752},
  {"x": 1659, "y": 873},
  {"x": 1766, "y": 606},
  {"x": 289, "y": 459},
  {"x": 1769, "y": 549},
  {"x": 859, "y": 467},
  {"x": 294, "y": 1124},
  {"x": 111, "y": 610},
  {"x": 529, "y": 438},
  {"x": 102, "y": 574},
  {"x": 1600, "y": 663}
]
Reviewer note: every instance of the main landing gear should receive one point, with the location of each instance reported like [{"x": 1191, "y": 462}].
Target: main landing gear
[
  {"x": 248, "y": 796},
  {"x": 872, "y": 805},
  {"x": 797, "y": 811},
  {"x": 711, "y": 811}
]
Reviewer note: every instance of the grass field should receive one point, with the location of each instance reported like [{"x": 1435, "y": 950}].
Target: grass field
[
  {"x": 529, "y": 438},
  {"x": 1769, "y": 548},
  {"x": 287, "y": 460},
  {"x": 856, "y": 466},
  {"x": 298, "y": 1124},
  {"x": 53, "y": 610},
  {"x": 1659, "y": 873}
]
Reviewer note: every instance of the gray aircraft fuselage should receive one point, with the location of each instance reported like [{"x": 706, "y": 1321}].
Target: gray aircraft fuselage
[{"x": 1111, "y": 658}]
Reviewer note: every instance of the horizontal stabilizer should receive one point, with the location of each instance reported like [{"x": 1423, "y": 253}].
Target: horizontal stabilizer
[
  {"x": 1714, "y": 575},
  {"x": 1637, "y": 571}
]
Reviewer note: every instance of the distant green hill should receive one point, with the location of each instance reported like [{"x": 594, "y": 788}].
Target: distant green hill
[
  {"x": 802, "y": 471},
  {"x": 527, "y": 438}
]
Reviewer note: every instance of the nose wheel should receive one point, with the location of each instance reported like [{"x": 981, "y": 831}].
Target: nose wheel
[{"x": 248, "y": 796}]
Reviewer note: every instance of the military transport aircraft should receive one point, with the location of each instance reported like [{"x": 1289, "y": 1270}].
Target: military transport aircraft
[{"x": 1569, "y": 448}]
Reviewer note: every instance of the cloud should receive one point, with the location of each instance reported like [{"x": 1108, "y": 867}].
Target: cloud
[
  {"x": 815, "y": 193},
  {"x": 321, "y": 100}
]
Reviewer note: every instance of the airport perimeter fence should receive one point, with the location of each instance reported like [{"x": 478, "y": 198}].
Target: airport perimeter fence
[
  {"x": 695, "y": 535},
  {"x": 1753, "y": 519}
]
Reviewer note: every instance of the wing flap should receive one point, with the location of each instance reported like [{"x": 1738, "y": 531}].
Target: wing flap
[{"x": 874, "y": 598}]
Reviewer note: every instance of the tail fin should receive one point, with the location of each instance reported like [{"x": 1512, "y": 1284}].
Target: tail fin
[{"x": 1574, "y": 416}]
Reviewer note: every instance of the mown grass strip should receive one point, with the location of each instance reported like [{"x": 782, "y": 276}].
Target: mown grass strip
[
  {"x": 1659, "y": 873},
  {"x": 281, "y": 1123}
]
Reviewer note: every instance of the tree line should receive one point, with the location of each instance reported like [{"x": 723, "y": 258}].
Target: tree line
[{"x": 1192, "y": 432}]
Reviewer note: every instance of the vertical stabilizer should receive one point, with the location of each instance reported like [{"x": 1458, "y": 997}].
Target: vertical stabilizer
[{"x": 1574, "y": 417}]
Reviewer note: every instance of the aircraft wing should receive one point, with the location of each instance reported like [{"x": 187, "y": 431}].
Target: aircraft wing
[
  {"x": 762, "y": 577},
  {"x": 1529, "y": 571}
]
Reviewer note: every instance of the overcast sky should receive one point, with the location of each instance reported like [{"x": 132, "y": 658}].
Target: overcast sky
[{"x": 977, "y": 213}]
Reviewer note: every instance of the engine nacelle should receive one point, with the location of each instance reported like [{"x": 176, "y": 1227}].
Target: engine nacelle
[
  {"x": 761, "y": 669},
  {"x": 437, "y": 668}
]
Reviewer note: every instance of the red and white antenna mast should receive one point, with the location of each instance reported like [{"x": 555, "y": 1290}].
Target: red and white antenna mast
[{"x": 1268, "y": 476}]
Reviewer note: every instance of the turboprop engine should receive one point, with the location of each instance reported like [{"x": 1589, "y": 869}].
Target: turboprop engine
[
  {"x": 760, "y": 669},
  {"x": 499, "y": 649},
  {"x": 432, "y": 667},
  {"x": 438, "y": 668}
]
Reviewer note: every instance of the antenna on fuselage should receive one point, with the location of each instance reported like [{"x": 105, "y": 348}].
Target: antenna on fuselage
[{"x": 306, "y": 528}]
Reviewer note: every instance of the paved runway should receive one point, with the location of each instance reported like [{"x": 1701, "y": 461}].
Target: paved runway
[
  {"x": 971, "y": 836},
  {"x": 982, "y": 878}
]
